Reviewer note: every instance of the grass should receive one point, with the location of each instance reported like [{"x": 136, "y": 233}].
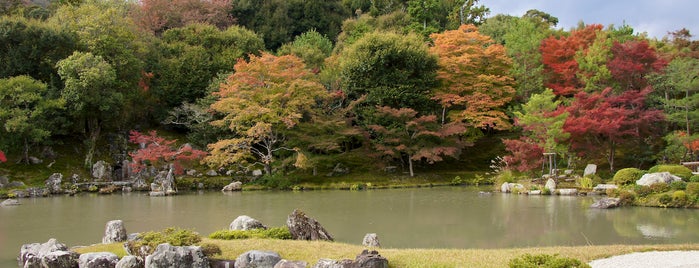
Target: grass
[{"x": 312, "y": 251}]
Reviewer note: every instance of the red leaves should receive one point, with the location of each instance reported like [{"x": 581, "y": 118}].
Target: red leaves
[
  {"x": 526, "y": 154},
  {"x": 631, "y": 62},
  {"x": 558, "y": 56},
  {"x": 2, "y": 157},
  {"x": 159, "y": 151}
]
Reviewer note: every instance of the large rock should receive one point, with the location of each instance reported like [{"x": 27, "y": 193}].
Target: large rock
[
  {"x": 130, "y": 262},
  {"x": 290, "y": 264},
  {"x": 102, "y": 171},
  {"x": 98, "y": 260},
  {"x": 606, "y": 202},
  {"x": 10, "y": 202},
  {"x": 328, "y": 263},
  {"x": 168, "y": 256},
  {"x": 61, "y": 259},
  {"x": 659, "y": 177},
  {"x": 590, "y": 169},
  {"x": 163, "y": 184},
  {"x": 568, "y": 191},
  {"x": 508, "y": 187},
  {"x": 302, "y": 227},
  {"x": 4, "y": 181},
  {"x": 370, "y": 259},
  {"x": 604, "y": 187},
  {"x": 37, "y": 251},
  {"x": 551, "y": 185},
  {"x": 371, "y": 240},
  {"x": 257, "y": 259},
  {"x": 139, "y": 183},
  {"x": 245, "y": 222},
  {"x": 53, "y": 183},
  {"x": 233, "y": 186},
  {"x": 114, "y": 232}
]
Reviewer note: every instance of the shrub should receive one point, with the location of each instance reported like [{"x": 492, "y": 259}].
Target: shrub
[
  {"x": 273, "y": 233},
  {"x": 546, "y": 191},
  {"x": 678, "y": 170},
  {"x": 545, "y": 260},
  {"x": 678, "y": 185},
  {"x": 626, "y": 197},
  {"x": 210, "y": 249},
  {"x": 586, "y": 183},
  {"x": 505, "y": 176},
  {"x": 680, "y": 199},
  {"x": 627, "y": 176},
  {"x": 659, "y": 187},
  {"x": 173, "y": 236},
  {"x": 613, "y": 192},
  {"x": 665, "y": 199},
  {"x": 694, "y": 178},
  {"x": 692, "y": 188},
  {"x": 596, "y": 179},
  {"x": 457, "y": 181},
  {"x": 275, "y": 181},
  {"x": 642, "y": 190}
]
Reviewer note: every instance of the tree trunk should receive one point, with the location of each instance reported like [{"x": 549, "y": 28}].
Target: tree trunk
[
  {"x": 444, "y": 114},
  {"x": 612, "y": 151},
  {"x": 94, "y": 129},
  {"x": 26, "y": 151},
  {"x": 410, "y": 166}
]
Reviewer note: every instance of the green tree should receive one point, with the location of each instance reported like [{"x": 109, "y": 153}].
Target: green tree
[
  {"x": 90, "y": 95},
  {"x": 522, "y": 41},
  {"x": 679, "y": 86},
  {"x": 25, "y": 109},
  {"x": 310, "y": 46},
  {"x": 262, "y": 98}
]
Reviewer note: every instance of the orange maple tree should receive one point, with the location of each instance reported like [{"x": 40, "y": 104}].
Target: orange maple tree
[
  {"x": 558, "y": 55},
  {"x": 473, "y": 71}
]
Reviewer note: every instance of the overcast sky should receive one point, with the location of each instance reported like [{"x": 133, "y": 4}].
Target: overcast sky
[{"x": 655, "y": 17}]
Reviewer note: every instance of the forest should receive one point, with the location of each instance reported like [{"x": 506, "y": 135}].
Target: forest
[{"x": 300, "y": 86}]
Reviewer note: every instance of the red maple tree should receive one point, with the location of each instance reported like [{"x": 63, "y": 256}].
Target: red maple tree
[
  {"x": 2, "y": 157},
  {"x": 631, "y": 62},
  {"x": 525, "y": 153},
  {"x": 558, "y": 56},
  {"x": 158, "y": 151},
  {"x": 600, "y": 122},
  {"x": 157, "y": 16}
]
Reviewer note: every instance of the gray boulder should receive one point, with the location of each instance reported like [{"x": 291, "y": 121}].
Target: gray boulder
[
  {"x": 604, "y": 187},
  {"x": 370, "y": 259},
  {"x": 590, "y": 169},
  {"x": 245, "y": 222},
  {"x": 130, "y": 262},
  {"x": 302, "y": 227},
  {"x": 606, "y": 202},
  {"x": 37, "y": 251},
  {"x": 163, "y": 184},
  {"x": 138, "y": 183},
  {"x": 371, "y": 240},
  {"x": 290, "y": 264},
  {"x": 60, "y": 259},
  {"x": 4, "y": 181},
  {"x": 15, "y": 184},
  {"x": 98, "y": 260},
  {"x": 551, "y": 185},
  {"x": 257, "y": 259},
  {"x": 168, "y": 256},
  {"x": 257, "y": 172},
  {"x": 114, "y": 232},
  {"x": 10, "y": 202},
  {"x": 53, "y": 183},
  {"x": 102, "y": 171},
  {"x": 658, "y": 177},
  {"x": 233, "y": 186},
  {"x": 35, "y": 160},
  {"x": 568, "y": 191},
  {"x": 211, "y": 173},
  {"x": 328, "y": 263},
  {"x": 508, "y": 187}
]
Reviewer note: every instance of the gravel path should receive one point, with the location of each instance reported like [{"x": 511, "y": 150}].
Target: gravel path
[{"x": 651, "y": 259}]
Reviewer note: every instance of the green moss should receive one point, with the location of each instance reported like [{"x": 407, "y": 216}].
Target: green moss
[
  {"x": 173, "y": 236},
  {"x": 627, "y": 176},
  {"x": 546, "y": 261},
  {"x": 273, "y": 233},
  {"x": 678, "y": 170}
]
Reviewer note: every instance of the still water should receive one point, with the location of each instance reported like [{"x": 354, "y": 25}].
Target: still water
[{"x": 442, "y": 217}]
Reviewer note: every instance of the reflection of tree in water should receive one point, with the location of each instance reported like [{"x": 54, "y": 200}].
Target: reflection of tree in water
[{"x": 680, "y": 225}]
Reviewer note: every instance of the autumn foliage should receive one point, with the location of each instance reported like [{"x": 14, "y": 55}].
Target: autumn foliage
[
  {"x": 558, "y": 55},
  {"x": 159, "y": 15},
  {"x": 2, "y": 157},
  {"x": 157, "y": 151}
]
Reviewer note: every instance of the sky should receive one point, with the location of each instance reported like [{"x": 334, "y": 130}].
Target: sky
[{"x": 654, "y": 17}]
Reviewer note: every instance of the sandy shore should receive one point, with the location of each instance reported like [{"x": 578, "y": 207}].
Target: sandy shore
[{"x": 651, "y": 259}]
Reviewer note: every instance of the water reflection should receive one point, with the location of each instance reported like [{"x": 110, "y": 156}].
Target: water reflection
[{"x": 405, "y": 218}]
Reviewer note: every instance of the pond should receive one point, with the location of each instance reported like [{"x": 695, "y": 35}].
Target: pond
[{"x": 440, "y": 217}]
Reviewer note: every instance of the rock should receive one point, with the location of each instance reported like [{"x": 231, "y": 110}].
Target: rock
[
  {"x": 61, "y": 259},
  {"x": 257, "y": 259},
  {"x": 211, "y": 173},
  {"x": 15, "y": 184},
  {"x": 4, "y": 181},
  {"x": 156, "y": 193},
  {"x": 370, "y": 259},
  {"x": 328, "y": 263},
  {"x": 34, "y": 160},
  {"x": 245, "y": 222},
  {"x": 200, "y": 185},
  {"x": 75, "y": 178},
  {"x": 191, "y": 172},
  {"x": 166, "y": 255},
  {"x": 302, "y": 227},
  {"x": 510, "y": 187},
  {"x": 233, "y": 186},
  {"x": 53, "y": 183},
  {"x": 102, "y": 171},
  {"x": 257, "y": 172},
  {"x": 590, "y": 169},
  {"x": 230, "y": 172},
  {"x": 222, "y": 263},
  {"x": 658, "y": 177},
  {"x": 604, "y": 187},
  {"x": 98, "y": 260},
  {"x": 290, "y": 264},
  {"x": 339, "y": 169},
  {"x": 390, "y": 169},
  {"x": 130, "y": 262},
  {"x": 10, "y": 202},
  {"x": 568, "y": 191},
  {"x": 114, "y": 231},
  {"x": 606, "y": 202},
  {"x": 551, "y": 185},
  {"x": 38, "y": 251},
  {"x": 139, "y": 183},
  {"x": 371, "y": 240},
  {"x": 534, "y": 192},
  {"x": 163, "y": 184}
]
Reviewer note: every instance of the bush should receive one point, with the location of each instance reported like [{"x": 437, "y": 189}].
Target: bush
[
  {"x": 694, "y": 178},
  {"x": 680, "y": 199},
  {"x": 626, "y": 197},
  {"x": 642, "y": 190},
  {"x": 275, "y": 181},
  {"x": 586, "y": 183},
  {"x": 210, "y": 249},
  {"x": 678, "y": 170},
  {"x": 173, "y": 236},
  {"x": 457, "y": 181},
  {"x": 545, "y": 260},
  {"x": 505, "y": 176},
  {"x": 678, "y": 185},
  {"x": 596, "y": 179},
  {"x": 665, "y": 199},
  {"x": 627, "y": 176},
  {"x": 659, "y": 187},
  {"x": 692, "y": 188},
  {"x": 273, "y": 233}
]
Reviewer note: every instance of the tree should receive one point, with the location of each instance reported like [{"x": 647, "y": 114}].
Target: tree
[
  {"x": 558, "y": 56},
  {"x": 475, "y": 85},
  {"x": 25, "y": 106},
  {"x": 157, "y": 16},
  {"x": 90, "y": 95},
  {"x": 263, "y": 97},
  {"x": 310, "y": 46},
  {"x": 679, "y": 86},
  {"x": 403, "y": 132},
  {"x": 600, "y": 122},
  {"x": 159, "y": 152},
  {"x": 522, "y": 41},
  {"x": 632, "y": 62},
  {"x": 3, "y": 158}
]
